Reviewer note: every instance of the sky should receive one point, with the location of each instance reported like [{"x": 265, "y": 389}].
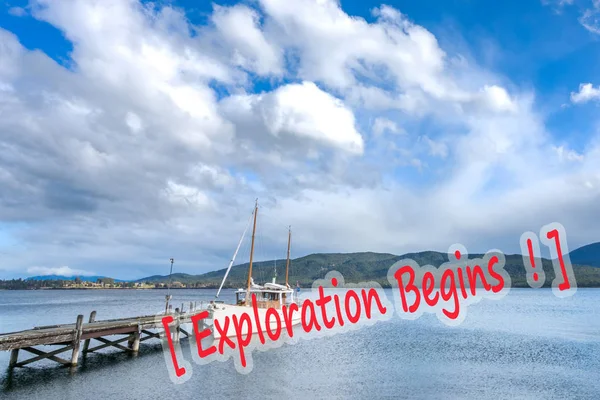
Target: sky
[{"x": 132, "y": 132}]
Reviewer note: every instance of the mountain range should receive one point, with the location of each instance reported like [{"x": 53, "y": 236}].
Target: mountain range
[
  {"x": 363, "y": 267},
  {"x": 587, "y": 255}
]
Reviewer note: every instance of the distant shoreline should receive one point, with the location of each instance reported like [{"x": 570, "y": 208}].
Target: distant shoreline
[
  {"x": 111, "y": 288},
  {"x": 519, "y": 286}
]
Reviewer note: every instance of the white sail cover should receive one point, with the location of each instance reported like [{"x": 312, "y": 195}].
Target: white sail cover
[
  {"x": 275, "y": 286},
  {"x": 254, "y": 285}
]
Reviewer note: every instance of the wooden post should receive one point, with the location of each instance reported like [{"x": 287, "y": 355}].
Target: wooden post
[
  {"x": 86, "y": 344},
  {"x": 176, "y": 330},
  {"x": 191, "y": 306},
  {"x": 14, "y": 356},
  {"x": 77, "y": 340},
  {"x": 134, "y": 341},
  {"x": 70, "y": 337}
]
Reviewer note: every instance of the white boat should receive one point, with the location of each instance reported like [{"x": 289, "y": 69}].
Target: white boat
[{"x": 271, "y": 295}]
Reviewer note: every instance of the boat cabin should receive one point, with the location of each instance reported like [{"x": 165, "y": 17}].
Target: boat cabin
[{"x": 265, "y": 297}]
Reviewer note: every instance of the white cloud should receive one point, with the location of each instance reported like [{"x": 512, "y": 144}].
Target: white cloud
[
  {"x": 497, "y": 98},
  {"x": 64, "y": 271},
  {"x": 299, "y": 110},
  {"x": 337, "y": 50},
  {"x": 587, "y": 92},
  {"x": 381, "y": 125},
  {"x": 134, "y": 122},
  {"x": 567, "y": 154},
  {"x": 186, "y": 195},
  {"x": 211, "y": 176},
  {"x": 590, "y": 19},
  {"x": 155, "y": 142},
  {"x": 239, "y": 27}
]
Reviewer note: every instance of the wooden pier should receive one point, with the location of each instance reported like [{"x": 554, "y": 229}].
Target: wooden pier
[{"x": 69, "y": 337}]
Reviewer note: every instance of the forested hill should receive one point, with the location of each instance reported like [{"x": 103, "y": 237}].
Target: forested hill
[
  {"x": 360, "y": 267},
  {"x": 587, "y": 255}
]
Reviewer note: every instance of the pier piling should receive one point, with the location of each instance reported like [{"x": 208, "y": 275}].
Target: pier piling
[
  {"x": 86, "y": 344},
  {"x": 176, "y": 327},
  {"x": 110, "y": 333},
  {"x": 77, "y": 340},
  {"x": 14, "y": 356},
  {"x": 134, "y": 341}
]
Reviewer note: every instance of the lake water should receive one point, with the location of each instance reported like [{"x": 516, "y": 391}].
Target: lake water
[{"x": 527, "y": 345}]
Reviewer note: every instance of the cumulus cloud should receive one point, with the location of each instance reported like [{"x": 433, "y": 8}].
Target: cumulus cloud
[
  {"x": 250, "y": 49},
  {"x": 404, "y": 60},
  {"x": 300, "y": 110},
  {"x": 587, "y": 92},
  {"x": 159, "y": 135}
]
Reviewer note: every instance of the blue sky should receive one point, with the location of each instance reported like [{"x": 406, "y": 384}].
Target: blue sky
[
  {"x": 139, "y": 133},
  {"x": 532, "y": 43},
  {"x": 535, "y": 45}
]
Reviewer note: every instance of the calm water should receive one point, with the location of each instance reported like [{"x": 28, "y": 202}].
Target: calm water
[{"x": 528, "y": 345}]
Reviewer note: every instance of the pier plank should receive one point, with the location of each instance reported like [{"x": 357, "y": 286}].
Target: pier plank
[{"x": 70, "y": 336}]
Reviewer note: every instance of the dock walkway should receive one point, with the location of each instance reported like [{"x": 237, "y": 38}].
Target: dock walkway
[{"x": 70, "y": 336}]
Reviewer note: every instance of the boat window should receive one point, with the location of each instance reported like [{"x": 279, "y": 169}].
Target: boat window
[{"x": 240, "y": 297}]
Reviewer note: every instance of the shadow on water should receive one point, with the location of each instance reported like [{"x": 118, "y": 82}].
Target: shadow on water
[{"x": 18, "y": 378}]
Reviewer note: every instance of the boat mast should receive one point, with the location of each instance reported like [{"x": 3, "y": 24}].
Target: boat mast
[
  {"x": 234, "y": 254},
  {"x": 251, "y": 254},
  {"x": 287, "y": 264},
  {"x": 168, "y": 296}
]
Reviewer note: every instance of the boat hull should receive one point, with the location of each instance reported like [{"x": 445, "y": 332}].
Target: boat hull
[{"x": 222, "y": 312}]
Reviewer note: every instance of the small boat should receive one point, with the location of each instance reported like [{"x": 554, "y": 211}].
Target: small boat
[{"x": 270, "y": 295}]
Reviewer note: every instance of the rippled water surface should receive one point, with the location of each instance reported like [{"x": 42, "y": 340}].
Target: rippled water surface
[{"x": 528, "y": 345}]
